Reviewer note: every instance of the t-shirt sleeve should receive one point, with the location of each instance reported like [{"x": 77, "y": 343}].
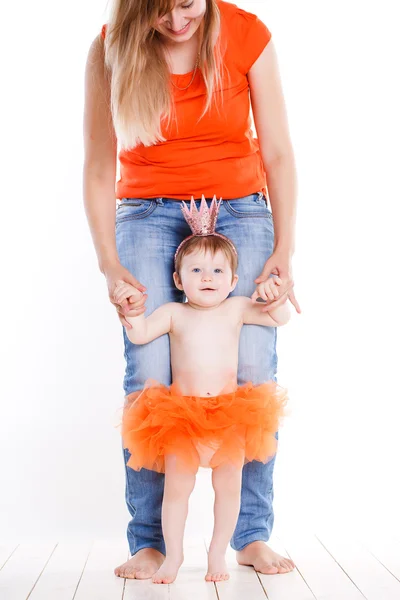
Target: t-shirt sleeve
[
  {"x": 103, "y": 31},
  {"x": 252, "y": 35}
]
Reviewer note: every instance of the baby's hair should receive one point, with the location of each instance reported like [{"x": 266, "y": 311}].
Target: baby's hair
[{"x": 207, "y": 243}]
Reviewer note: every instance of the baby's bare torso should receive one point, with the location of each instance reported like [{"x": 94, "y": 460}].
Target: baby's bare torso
[{"x": 204, "y": 349}]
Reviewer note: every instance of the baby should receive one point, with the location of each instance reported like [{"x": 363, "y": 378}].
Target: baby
[{"x": 204, "y": 418}]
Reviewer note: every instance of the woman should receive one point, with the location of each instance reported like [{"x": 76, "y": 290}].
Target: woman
[{"x": 169, "y": 81}]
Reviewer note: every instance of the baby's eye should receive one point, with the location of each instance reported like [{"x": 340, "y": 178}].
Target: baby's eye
[
  {"x": 218, "y": 270},
  {"x": 196, "y": 269}
]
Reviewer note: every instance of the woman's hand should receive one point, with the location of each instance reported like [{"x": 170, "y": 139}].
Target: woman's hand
[
  {"x": 124, "y": 291},
  {"x": 129, "y": 305},
  {"x": 267, "y": 290},
  {"x": 279, "y": 263}
]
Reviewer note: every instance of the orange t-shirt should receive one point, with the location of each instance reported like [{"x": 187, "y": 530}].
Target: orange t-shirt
[{"x": 219, "y": 155}]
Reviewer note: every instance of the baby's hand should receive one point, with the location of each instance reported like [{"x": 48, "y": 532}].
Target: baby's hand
[
  {"x": 125, "y": 291},
  {"x": 267, "y": 290}
]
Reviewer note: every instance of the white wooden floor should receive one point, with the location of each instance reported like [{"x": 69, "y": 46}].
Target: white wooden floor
[{"x": 328, "y": 567}]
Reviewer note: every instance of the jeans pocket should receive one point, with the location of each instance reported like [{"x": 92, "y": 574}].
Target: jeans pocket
[
  {"x": 254, "y": 205},
  {"x": 134, "y": 208}
]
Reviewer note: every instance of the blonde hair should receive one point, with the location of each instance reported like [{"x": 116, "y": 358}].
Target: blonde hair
[
  {"x": 208, "y": 243},
  {"x": 141, "y": 95}
]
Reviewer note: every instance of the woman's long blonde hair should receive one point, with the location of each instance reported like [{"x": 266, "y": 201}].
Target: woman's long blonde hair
[{"x": 141, "y": 96}]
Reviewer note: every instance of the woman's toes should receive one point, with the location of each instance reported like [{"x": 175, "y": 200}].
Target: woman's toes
[
  {"x": 286, "y": 564},
  {"x": 280, "y": 565},
  {"x": 269, "y": 569}
]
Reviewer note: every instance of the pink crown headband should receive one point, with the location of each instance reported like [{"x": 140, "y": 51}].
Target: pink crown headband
[{"x": 202, "y": 222}]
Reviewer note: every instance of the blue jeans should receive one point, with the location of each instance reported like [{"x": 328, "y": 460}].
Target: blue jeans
[{"x": 148, "y": 231}]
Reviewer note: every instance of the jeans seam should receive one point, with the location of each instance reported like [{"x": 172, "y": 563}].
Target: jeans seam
[
  {"x": 127, "y": 500},
  {"x": 249, "y": 214},
  {"x": 251, "y": 538},
  {"x": 134, "y": 217}
]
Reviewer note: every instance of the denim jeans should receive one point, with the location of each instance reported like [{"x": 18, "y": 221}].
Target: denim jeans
[{"x": 148, "y": 231}]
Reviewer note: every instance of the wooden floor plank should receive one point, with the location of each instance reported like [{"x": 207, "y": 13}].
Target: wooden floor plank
[
  {"x": 21, "y": 571},
  {"x": 387, "y": 551},
  {"x": 6, "y": 551},
  {"x": 62, "y": 574},
  {"x": 320, "y": 571},
  {"x": 329, "y": 565},
  {"x": 284, "y": 585},
  {"x": 145, "y": 589},
  {"x": 368, "y": 574},
  {"x": 190, "y": 583},
  {"x": 98, "y": 581}
]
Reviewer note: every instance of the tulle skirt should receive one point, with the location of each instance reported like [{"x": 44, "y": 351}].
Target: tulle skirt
[{"x": 235, "y": 427}]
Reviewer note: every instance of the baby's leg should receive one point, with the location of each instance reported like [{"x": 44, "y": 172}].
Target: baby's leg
[
  {"x": 177, "y": 489},
  {"x": 227, "y": 482}
]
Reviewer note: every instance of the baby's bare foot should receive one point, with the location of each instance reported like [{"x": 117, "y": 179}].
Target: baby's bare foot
[
  {"x": 263, "y": 559},
  {"x": 168, "y": 571},
  {"x": 217, "y": 569},
  {"x": 142, "y": 565}
]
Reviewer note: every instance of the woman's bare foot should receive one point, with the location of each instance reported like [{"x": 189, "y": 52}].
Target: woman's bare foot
[
  {"x": 217, "y": 569},
  {"x": 142, "y": 565},
  {"x": 263, "y": 559},
  {"x": 168, "y": 571}
]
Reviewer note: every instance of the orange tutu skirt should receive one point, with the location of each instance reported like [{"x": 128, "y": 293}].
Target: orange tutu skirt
[{"x": 237, "y": 427}]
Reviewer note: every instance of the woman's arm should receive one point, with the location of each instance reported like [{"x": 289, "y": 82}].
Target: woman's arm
[
  {"x": 99, "y": 173},
  {"x": 146, "y": 329},
  {"x": 100, "y": 146},
  {"x": 271, "y": 123}
]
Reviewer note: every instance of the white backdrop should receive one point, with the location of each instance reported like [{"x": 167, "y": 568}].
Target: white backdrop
[{"x": 62, "y": 350}]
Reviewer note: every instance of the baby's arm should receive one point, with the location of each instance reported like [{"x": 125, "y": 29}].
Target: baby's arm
[
  {"x": 146, "y": 329},
  {"x": 252, "y": 313},
  {"x": 252, "y": 310}
]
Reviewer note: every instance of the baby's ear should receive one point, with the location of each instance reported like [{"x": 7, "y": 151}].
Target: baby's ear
[
  {"x": 177, "y": 281},
  {"x": 234, "y": 282}
]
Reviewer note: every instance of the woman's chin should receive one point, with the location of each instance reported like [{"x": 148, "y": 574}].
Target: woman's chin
[{"x": 183, "y": 37}]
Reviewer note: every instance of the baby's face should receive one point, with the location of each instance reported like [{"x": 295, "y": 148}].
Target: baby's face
[{"x": 206, "y": 279}]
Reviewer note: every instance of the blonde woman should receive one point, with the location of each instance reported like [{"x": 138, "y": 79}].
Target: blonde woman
[{"x": 169, "y": 85}]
